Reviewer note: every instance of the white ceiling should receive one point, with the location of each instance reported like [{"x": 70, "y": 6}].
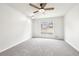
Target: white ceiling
[{"x": 60, "y": 9}]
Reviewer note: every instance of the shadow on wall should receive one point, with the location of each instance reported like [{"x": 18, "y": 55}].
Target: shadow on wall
[{"x": 15, "y": 27}]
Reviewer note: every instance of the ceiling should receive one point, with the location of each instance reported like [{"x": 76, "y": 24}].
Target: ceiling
[{"x": 60, "y": 9}]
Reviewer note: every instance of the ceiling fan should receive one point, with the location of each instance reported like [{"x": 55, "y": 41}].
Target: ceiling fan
[{"x": 41, "y": 8}]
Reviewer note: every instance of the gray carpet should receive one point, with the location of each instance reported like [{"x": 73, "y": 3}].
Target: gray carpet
[{"x": 41, "y": 47}]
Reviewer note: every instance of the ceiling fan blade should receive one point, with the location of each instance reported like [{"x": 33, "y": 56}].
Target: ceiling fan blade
[
  {"x": 48, "y": 8},
  {"x": 43, "y": 5},
  {"x": 35, "y": 12},
  {"x": 34, "y": 6}
]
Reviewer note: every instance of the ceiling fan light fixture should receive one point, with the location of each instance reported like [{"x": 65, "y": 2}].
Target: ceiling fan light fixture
[{"x": 41, "y": 10}]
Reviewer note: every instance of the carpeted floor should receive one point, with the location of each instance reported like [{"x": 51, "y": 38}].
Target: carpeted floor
[{"x": 41, "y": 47}]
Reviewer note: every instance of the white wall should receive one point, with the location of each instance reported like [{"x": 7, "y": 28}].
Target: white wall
[
  {"x": 58, "y": 25},
  {"x": 14, "y": 27},
  {"x": 72, "y": 27}
]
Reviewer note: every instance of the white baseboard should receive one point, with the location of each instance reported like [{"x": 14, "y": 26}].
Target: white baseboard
[
  {"x": 16, "y": 44},
  {"x": 72, "y": 45}
]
